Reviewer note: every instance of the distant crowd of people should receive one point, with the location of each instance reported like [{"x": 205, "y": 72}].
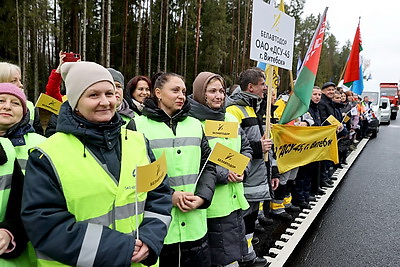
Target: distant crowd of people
[{"x": 69, "y": 187}]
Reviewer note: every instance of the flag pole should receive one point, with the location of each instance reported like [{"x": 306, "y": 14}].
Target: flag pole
[
  {"x": 291, "y": 80},
  {"x": 136, "y": 207},
  {"x": 268, "y": 110},
  {"x": 341, "y": 75}
]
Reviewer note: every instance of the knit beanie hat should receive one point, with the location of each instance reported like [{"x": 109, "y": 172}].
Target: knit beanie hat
[
  {"x": 117, "y": 76},
  {"x": 200, "y": 84},
  {"x": 78, "y": 76},
  {"x": 11, "y": 89}
]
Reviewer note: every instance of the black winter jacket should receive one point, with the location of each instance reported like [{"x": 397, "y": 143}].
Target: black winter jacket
[
  {"x": 55, "y": 232},
  {"x": 326, "y": 108}
]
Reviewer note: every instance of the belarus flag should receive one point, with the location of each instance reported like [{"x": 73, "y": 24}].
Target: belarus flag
[
  {"x": 299, "y": 100},
  {"x": 353, "y": 77}
]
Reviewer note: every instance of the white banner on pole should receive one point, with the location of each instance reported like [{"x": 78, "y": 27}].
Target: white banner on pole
[{"x": 272, "y": 36}]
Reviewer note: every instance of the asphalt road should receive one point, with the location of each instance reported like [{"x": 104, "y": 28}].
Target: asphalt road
[{"x": 360, "y": 226}]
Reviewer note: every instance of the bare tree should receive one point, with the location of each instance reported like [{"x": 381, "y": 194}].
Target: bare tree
[
  {"x": 166, "y": 36},
  {"x": 149, "y": 10},
  {"x": 102, "y": 27},
  {"x": 246, "y": 23},
  {"x": 160, "y": 37},
  {"x": 186, "y": 41},
  {"x": 196, "y": 55},
  {"x": 18, "y": 34},
  {"x": 125, "y": 37},
  {"x": 108, "y": 35},
  {"x": 84, "y": 30},
  {"x": 138, "y": 35}
]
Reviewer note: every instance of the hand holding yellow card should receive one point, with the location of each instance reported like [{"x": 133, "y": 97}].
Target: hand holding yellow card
[{"x": 333, "y": 121}]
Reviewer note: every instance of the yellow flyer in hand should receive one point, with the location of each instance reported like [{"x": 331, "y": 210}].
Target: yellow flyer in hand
[
  {"x": 225, "y": 129},
  {"x": 49, "y": 103},
  {"x": 148, "y": 177},
  {"x": 229, "y": 158},
  {"x": 333, "y": 121}
]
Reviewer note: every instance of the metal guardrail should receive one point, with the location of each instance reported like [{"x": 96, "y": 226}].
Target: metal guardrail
[{"x": 288, "y": 241}]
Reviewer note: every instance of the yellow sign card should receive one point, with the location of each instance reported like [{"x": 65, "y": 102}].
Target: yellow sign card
[
  {"x": 49, "y": 103},
  {"x": 346, "y": 119},
  {"x": 221, "y": 129},
  {"x": 228, "y": 158},
  {"x": 333, "y": 121},
  {"x": 149, "y": 177}
]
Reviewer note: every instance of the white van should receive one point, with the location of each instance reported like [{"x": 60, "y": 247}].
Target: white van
[
  {"x": 385, "y": 110},
  {"x": 372, "y": 90}
]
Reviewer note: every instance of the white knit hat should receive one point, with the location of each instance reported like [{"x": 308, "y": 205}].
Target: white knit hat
[{"x": 78, "y": 76}]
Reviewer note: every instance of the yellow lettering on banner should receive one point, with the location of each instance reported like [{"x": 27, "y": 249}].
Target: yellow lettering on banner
[
  {"x": 297, "y": 146},
  {"x": 225, "y": 129},
  {"x": 48, "y": 103},
  {"x": 150, "y": 176},
  {"x": 229, "y": 158},
  {"x": 333, "y": 121}
]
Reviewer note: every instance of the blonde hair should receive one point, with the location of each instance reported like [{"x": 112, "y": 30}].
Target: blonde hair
[{"x": 6, "y": 71}]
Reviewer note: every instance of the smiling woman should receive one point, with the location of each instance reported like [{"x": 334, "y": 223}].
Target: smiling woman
[
  {"x": 83, "y": 173},
  {"x": 166, "y": 124}
]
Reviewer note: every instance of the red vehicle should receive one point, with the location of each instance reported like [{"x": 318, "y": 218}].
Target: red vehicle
[{"x": 391, "y": 91}]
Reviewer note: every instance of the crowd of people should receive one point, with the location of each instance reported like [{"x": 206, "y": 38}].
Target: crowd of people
[{"x": 69, "y": 193}]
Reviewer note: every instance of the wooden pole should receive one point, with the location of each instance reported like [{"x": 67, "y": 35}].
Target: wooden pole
[
  {"x": 268, "y": 110},
  {"x": 341, "y": 75},
  {"x": 291, "y": 80}
]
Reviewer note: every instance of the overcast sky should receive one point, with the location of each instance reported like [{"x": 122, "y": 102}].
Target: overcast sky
[{"x": 380, "y": 31}]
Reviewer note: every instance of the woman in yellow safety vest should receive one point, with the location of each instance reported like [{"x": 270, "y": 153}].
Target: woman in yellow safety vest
[
  {"x": 167, "y": 125},
  {"x": 226, "y": 230},
  {"x": 80, "y": 204}
]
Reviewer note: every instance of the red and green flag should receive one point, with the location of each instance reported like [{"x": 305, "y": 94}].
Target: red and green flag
[
  {"x": 299, "y": 100},
  {"x": 353, "y": 74}
]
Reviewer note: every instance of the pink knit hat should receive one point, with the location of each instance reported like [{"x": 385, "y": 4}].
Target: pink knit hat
[{"x": 11, "y": 89}]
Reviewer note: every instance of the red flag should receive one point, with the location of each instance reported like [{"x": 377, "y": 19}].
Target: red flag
[{"x": 353, "y": 64}]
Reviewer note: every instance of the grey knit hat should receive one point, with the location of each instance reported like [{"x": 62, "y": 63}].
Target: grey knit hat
[
  {"x": 78, "y": 76},
  {"x": 117, "y": 76}
]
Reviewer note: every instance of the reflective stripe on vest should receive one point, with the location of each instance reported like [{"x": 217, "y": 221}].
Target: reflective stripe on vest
[
  {"x": 227, "y": 197},
  {"x": 6, "y": 172},
  {"x": 106, "y": 202},
  {"x": 183, "y": 152},
  {"x": 31, "y": 140},
  {"x": 256, "y": 185}
]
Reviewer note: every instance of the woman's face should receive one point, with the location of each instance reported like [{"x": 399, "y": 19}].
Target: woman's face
[
  {"x": 118, "y": 92},
  {"x": 11, "y": 111},
  {"x": 343, "y": 97},
  {"x": 97, "y": 103},
  {"x": 337, "y": 98},
  {"x": 172, "y": 96},
  {"x": 215, "y": 94},
  {"x": 316, "y": 95},
  {"x": 350, "y": 98},
  {"x": 141, "y": 92},
  {"x": 16, "y": 79}
]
